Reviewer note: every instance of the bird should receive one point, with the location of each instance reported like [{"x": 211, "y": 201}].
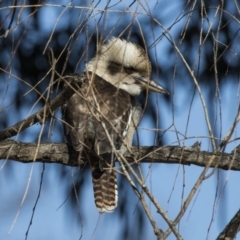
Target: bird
[{"x": 97, "y": 117}]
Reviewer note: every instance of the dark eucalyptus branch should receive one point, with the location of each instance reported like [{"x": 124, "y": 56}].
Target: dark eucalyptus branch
[
  {"x": 42, "y": 113},
  {"x": 59, "y": 153},
  {"x": 232, "y": 228}
]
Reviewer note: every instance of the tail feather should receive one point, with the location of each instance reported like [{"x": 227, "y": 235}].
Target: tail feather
[{"x": 104, "y": 187}]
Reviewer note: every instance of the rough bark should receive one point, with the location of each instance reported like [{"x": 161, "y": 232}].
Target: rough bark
[
  {"x": 232, "y": 228},
  {"x": 59, "y": 153}
]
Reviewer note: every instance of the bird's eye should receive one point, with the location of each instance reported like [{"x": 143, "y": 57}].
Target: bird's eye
[{"x": 129, "y": 70}]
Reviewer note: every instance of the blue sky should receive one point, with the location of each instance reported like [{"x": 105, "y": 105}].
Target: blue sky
[{"x": 217, "y": 197}]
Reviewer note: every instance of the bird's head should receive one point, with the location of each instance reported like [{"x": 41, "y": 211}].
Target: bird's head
[{"x": 124, "y": 65}]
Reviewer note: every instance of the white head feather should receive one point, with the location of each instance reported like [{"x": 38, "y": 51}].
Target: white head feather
[{"x": 120, "y": 63}]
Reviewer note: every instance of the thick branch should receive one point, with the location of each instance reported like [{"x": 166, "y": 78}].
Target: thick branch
[
  {"x": 231, "y": 229},
  {"x": 59, "y": 153},
  {"x": 48, "y": 109}
]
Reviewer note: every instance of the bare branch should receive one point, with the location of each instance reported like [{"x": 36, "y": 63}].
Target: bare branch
[
  {"x": 47, "y": 109},
  {"x": 231, "y": 230},
  {"x": 59, "y": 153}
]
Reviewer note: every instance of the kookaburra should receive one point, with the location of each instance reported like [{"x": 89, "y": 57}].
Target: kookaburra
[{"x": 98, "y": 115}]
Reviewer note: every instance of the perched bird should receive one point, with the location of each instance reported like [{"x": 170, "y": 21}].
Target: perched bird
[{"x": 98, "y": 115}]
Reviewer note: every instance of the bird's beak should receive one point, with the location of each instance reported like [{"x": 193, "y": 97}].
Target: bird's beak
[{"x": 151, "y": 85}]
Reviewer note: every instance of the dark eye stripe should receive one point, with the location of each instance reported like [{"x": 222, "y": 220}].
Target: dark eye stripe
[{"x": 129, "y": 70}]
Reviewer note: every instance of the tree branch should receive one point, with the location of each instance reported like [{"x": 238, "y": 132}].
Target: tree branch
[
  {"x": 231, "y": 229},
  {"x": 47, "y": 109},
  {"x": 59, "y": 153}
]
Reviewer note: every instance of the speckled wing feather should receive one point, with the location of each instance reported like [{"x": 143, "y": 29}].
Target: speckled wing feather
[{"x": 75, "y": 117}]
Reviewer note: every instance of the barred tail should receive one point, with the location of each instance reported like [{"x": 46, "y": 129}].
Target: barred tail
[{"x": 104, "y": 187}]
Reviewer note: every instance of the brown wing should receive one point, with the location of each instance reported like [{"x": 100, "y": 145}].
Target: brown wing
[
  {"x": 87, "y": 135},
  {"x": 75, "y": 117}
]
